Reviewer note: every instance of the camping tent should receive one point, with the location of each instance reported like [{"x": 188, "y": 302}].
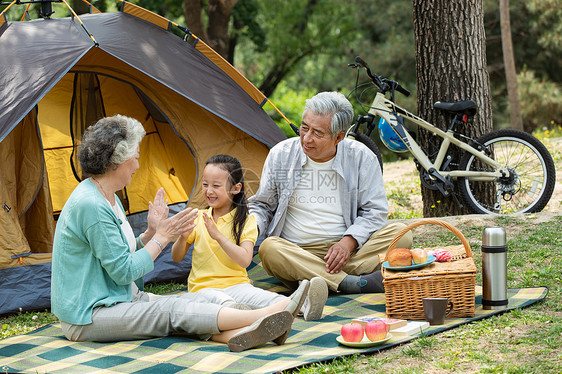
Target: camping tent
[{"x": 58, "y": 76}]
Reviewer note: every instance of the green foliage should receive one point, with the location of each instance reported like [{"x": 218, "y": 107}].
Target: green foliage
[
  {"x": 547, "y": 24},
  {"x": 291, "y": 104},
  {"x": 387, "y": 39},
  {"x": 102, "y": 5},
  {"x": 308, "y": 44},
  {"x": 295, "y": 31},
  {"x": 400, "y": 196},
  {"x": 541, "y": 101},
  {"x": 382, "y": 34},
  {"x": 244, "y": 15},
  {"x": 535, "y": 30},
  {"x": 537, "y": 44}
]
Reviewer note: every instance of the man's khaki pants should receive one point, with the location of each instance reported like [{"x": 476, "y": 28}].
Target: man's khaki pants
[{"x": 291, "y": 263}]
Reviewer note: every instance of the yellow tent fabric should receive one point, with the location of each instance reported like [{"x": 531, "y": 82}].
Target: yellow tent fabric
[
  {"x": 26, "y": 214},
  {"x": 166, "y": 159},
  {"x": 119, "y": 97}
]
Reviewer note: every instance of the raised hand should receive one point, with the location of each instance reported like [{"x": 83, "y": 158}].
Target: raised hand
[
  {"x": 157, "y": 211},
  {"x": 181, "y": 223},
  {"x": 211, "y": 227},
  {"x": 170, "y": 229}
]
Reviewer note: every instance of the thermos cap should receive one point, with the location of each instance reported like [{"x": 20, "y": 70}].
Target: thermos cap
[{"x": 493, "y": 236}]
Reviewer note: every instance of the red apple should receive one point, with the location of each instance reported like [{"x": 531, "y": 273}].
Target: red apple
[
  {"x": 375, "y": 330},
  {"x": 352, "y": 332}
]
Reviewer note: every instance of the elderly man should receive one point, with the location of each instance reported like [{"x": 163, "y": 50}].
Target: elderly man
[{"x": 322, "y": 204}]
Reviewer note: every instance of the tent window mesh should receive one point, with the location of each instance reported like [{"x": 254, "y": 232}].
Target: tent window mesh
[{"x": 86, "y": 108}]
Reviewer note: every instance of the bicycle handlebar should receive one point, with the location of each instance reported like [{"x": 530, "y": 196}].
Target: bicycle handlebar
[{"x": 383, "y": 84}]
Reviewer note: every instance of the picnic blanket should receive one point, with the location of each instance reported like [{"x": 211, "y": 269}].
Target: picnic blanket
[{"x": 46, "y": 350}]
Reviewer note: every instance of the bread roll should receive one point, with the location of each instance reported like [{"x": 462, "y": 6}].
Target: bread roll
[
  {"x": 399, "y": 257},
  {"x": 419, "y": 256}
]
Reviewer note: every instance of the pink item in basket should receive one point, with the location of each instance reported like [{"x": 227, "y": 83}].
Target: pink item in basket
[{"x": 442, "y": 255}]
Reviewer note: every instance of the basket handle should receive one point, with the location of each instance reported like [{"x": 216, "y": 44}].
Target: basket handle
[{"x": 429, "y": 221}]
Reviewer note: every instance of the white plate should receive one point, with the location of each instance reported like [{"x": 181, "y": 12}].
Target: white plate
[{"x": 365, "y": 342}]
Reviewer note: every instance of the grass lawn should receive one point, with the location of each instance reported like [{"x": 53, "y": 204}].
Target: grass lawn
[{"x": 522, "y": 341}]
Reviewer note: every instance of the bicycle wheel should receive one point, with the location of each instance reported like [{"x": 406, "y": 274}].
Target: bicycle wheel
[
  {"x": 530, "y": 185},
  {"x": 360, "y": 137}
]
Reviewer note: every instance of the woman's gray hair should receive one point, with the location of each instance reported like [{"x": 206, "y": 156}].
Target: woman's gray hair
[
  {"x": 332, "y": 104},
  {"x": 111, "y": 141}
]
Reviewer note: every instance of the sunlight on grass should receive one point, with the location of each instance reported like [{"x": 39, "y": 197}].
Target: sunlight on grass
[{"x": 22, "y": 323}]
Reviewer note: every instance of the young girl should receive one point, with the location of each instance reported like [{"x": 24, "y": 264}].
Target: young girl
[{"x": 224, "y": 238}]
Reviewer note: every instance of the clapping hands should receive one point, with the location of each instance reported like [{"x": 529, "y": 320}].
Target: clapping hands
[
  {"x": 211, "y": 227},
  {"x": 169, "y": 228},
  {"x": 157, "y": 211}
]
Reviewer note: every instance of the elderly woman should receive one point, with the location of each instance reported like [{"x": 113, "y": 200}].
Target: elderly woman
[{"x": 96, "y": 260}]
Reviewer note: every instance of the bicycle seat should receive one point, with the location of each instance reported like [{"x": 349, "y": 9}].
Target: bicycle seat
[{"x": 467, "y": 107}]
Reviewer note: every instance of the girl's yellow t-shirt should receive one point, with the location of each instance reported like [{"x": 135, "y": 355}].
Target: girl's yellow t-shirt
[{"x": 211, "y": 267}]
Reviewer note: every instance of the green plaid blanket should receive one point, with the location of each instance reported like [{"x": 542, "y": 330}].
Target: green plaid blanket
[{"x": 47, "y": 351}]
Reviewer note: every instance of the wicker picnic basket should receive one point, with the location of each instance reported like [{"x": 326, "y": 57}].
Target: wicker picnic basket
[{"x": 454, "y": 279}]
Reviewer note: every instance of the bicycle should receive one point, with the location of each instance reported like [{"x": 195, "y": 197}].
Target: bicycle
[{"x": 503, "y": 171}]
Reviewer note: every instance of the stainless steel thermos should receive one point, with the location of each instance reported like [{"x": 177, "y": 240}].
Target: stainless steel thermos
[{"x": 494, "y": 268}]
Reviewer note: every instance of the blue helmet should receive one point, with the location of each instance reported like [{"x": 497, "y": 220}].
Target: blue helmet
[{"x": 390, "y": 138}]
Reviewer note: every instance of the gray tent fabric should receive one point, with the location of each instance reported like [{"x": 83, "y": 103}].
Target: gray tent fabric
[
  {"x": 154, "y": 51},
  {"x": 32, "y": 60}
]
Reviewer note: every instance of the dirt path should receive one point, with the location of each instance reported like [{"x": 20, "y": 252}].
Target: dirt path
[{"x": 404, "y": 194}]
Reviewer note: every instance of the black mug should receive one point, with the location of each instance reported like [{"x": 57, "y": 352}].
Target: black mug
[{"x": 435, "y": 309}]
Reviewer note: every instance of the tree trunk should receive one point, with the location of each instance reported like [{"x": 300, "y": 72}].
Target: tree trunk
[
  {"x": 216, "y": 34},
  {"x": 509, "y": 63},
  {"x": 193, "y": 10},
  {"x": 450, "y": 66},
  {"x": 217, "y": 28}
]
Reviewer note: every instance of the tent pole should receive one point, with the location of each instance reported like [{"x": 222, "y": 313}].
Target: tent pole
[
  {"x": 79, "y": 20},
  {"x": 5, "y": 10},
  {"x": 295, "y": 128},
  {"x": 26, "y": 12}
]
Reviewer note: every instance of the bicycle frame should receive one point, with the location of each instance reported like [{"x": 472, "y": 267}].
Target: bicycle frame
[{"x": 388, "y": 110}]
